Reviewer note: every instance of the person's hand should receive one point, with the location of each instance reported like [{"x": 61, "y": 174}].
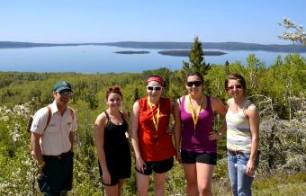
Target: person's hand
[
  {"x": 33, "y": 155},
  {"x": 178, "y": 156},
  {"x": 140, "y": 164},
  {"x": 170, "y": 130},
  {"x": 106, "y": 178},
  {"x": 214, "y": 136},
  {"x": 250, "y": 168},
  {"x": 40, "y": 165},
  {"x": 39, "y": 161}
]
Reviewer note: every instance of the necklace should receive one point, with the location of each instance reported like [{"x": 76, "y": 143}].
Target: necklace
[
  {"x": 155, "y": 118},
  {"x": 195, "y": 112},
  {"x": 115, "y": 117}
]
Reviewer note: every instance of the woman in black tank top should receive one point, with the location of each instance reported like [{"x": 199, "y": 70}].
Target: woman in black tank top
[
  {"x": 112, "y": 144},
  {"x": 114, "y": 135}
]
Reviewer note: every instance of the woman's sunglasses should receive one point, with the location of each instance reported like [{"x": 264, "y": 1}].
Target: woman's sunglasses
[
  {"x": 156, "y": 88},
  {"x": 195, "y": 83},
  {"x": 232, "y": 87}
]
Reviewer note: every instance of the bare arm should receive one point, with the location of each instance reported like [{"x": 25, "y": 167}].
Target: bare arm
[
  {"x": 38, "y": 127},
  {"x": 128, "y": 133},
  {"x": 71, "y": 138},
  {"x": 253, "y": 117},
  {"x": 134, "y": 136},
  {"x": 36, "y": 151},
  {"x": 177, "y": 128},
  {"x": 73, "y": 128},
  {"x": 219, "y": 108},
  {"x": 99, "y": 129}
]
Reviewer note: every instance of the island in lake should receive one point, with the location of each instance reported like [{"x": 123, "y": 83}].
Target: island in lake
[
  {"x": 186, "y": 53},
  {"x": 132, "y": 52}
]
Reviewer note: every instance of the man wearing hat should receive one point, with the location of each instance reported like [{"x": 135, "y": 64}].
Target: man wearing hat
[{"x": 52, "y": 133}]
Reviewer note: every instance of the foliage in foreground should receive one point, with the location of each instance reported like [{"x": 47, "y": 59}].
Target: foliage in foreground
[{"x": 278, "y": 91}]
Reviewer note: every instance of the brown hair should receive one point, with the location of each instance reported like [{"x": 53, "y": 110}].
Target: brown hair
[
  {"x": 235, "y": 76},
  {"x": 113, "y": 89},
  {"x": 195, "y": 74}
]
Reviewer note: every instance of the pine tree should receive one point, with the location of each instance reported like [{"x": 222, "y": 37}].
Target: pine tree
[
  {"x": 226, "y": 67},
  {"x": 196, "y": 59}
]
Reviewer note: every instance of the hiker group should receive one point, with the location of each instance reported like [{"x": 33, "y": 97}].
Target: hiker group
[{"x": 192, "y": 140}]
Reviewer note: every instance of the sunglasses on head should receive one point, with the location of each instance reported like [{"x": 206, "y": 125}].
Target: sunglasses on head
[
  {"x": 66, "y": 93},
  {"x": 234, "y": 86},
  {"x": 195, "y": 83},
  {"x": 156, "y": 88}
]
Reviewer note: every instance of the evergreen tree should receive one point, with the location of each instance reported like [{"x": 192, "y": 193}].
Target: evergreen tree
[
  {"x": 226, "y": 67},
  {"x": 196, "y": 58}
]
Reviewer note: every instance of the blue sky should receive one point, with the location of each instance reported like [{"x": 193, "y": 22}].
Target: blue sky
[{"x": 58, "y": 21}]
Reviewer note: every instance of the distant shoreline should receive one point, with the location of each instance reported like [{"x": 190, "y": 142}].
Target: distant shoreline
[
  {"x": 168, "y": 45},
  {"x": 132, "y": 52},
  {"x": 184, "y": 53}
]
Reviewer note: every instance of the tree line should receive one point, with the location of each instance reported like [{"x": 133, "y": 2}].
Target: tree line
[{"x": 278, "y": 90}]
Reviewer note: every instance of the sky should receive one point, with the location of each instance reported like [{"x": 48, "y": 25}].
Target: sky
[{"x": 81, "y": 21}]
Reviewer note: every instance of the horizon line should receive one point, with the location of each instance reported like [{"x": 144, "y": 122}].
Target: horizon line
[{"x": 109, "y": 42}]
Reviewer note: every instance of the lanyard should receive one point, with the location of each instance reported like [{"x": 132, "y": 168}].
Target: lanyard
[
  {"x": 155, "y": 118},
  {"x": 195, "y": 112}
]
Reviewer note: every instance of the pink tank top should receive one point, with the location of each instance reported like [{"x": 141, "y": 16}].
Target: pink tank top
[{"x": 197, "y": 140}]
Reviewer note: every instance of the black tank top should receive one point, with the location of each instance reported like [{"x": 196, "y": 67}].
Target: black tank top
[{"x": 114, "y": 135}]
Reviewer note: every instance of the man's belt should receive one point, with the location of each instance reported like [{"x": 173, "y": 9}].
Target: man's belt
[{"x": 57, "y": 157}]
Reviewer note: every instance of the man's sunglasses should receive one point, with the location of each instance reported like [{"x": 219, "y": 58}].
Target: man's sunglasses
[
  {"x": 195, "y": 83},
  {"x": 66, "y": 93},
  {"x": 232, "y": 87},
  {"x": 156, "y": 88}
]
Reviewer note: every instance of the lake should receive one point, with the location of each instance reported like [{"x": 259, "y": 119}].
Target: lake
[{"x": 102, "y": 59}]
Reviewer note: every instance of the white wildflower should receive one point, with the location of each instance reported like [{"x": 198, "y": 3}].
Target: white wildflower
[{"x": 4, "y": 118}]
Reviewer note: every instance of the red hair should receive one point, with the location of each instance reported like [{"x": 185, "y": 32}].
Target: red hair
[{"x": 113, "y": 89}]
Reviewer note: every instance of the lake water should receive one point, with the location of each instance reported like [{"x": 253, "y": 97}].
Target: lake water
[{"x": 92, "y": 59}]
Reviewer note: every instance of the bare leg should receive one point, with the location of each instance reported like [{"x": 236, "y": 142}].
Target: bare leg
[
  {"x": 204, "y": 176},
  {"x": 120, "y": 185},
  {"x": 142, "y": 184},
  {"x": 112, "y": 190},
  {"x": 159, "y": 182},
  {"x": 191, "y": 177}
]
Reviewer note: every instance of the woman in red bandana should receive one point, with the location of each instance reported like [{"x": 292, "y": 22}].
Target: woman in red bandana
[{"x": 151, "y": 140}]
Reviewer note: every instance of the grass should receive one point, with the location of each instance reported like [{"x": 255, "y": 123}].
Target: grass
[
  {"x": 281, "y": 184},
  {"x": 276, "y": 185}
]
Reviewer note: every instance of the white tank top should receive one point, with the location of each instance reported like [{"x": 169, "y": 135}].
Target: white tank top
[{"x": 238, "y": 130}]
